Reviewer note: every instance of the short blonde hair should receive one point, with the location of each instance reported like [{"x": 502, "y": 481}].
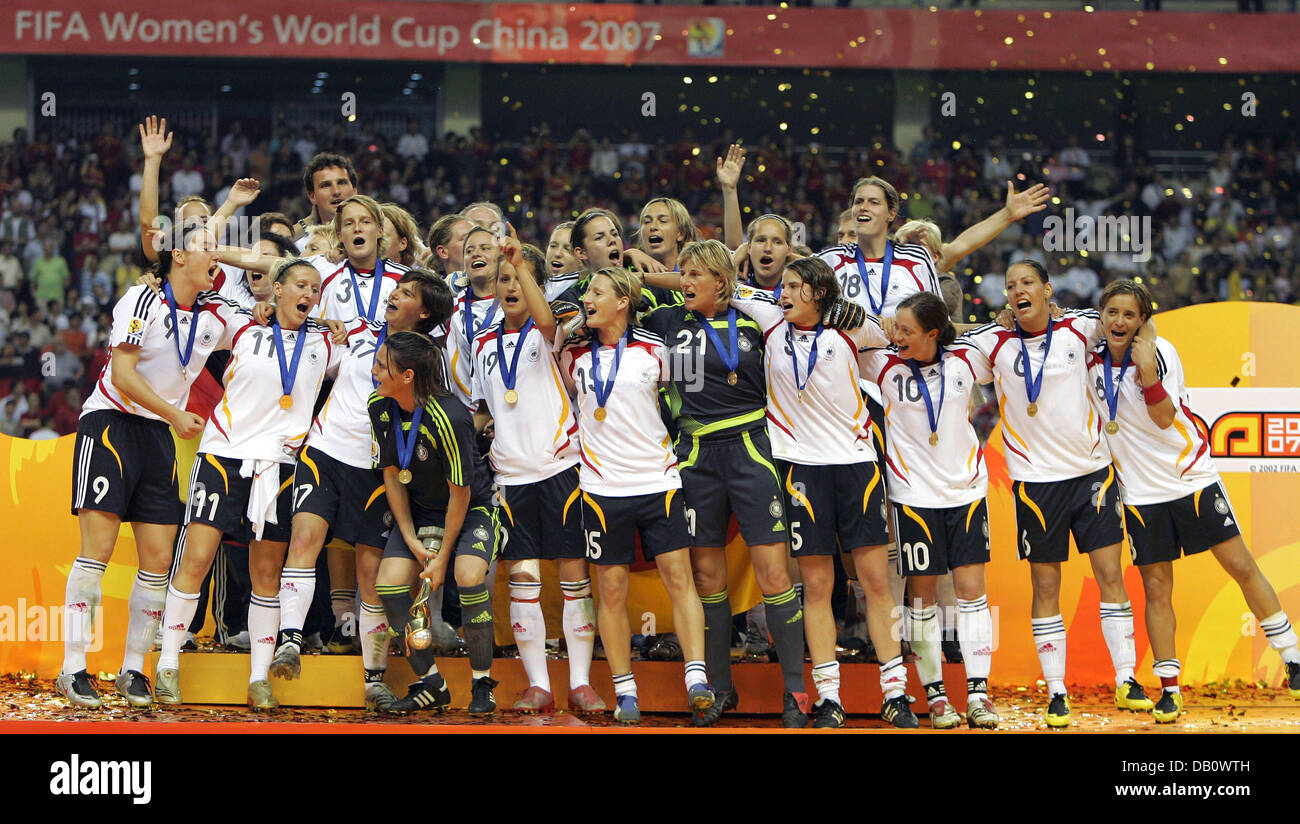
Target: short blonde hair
[
  {"x": 627, "y": 284},
  {"x": 677, "y": 210},
  {"x": 406, "y": 227},
  {"x": 929, "y": 230},
  {"x": 327, "y": 236},
  {"x": 713, "y": 257},
  {"x": 376, "y": 213}
]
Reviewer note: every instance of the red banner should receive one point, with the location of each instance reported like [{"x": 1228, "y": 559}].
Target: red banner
[{"x": 659, "y": 35}]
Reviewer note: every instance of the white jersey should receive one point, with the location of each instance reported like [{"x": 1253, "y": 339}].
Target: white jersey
[
  {"x": 1155, "y": 465},
  {"x": 629, "y": 452},
  {"x": 537, "y": 436},
  {"x": 232, "y": 284},
  {"x": 142, "y": 318},
  {"x": 342, "y": 428},
  {"x": 912, "y": 271},
  {"x": 945, "y": 474},
  {"x": 1063, "y": 440},
  {"x": 339, "y": 286},
  {"x": 831, "y": 425},
  {"x": 459, "y": 360},
  {"x": 249, "y": 422},
  {"x": 557, "y": 285}
]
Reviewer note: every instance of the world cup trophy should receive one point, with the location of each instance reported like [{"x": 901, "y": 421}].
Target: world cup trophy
[{"x": 419, "y": 632}]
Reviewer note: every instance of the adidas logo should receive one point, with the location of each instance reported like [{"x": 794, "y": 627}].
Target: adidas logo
[
  {"x": 479, "y": 546},
  {"x": 983, "y": 651},
  {"x": 152, "y": 614},
  {"x": 177, "y": 628},
  {"x": 288, "y": 586},
  {"x": 780, "y": 527},
  {"x": 1048, "y": 647},
  {"x": 80, "y": 606},
  {"x": 483, "y": 617},
  {"x": 517, "y": 628},
  {"x": 585, "y": 628},
  {"x": 379, "y": 629},
  {"x": 798, "y": 616},
  {"x": 269, "y": 639}
]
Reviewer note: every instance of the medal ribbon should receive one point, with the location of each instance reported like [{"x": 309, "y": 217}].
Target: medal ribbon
[
  {"x": 730, "y": 358},
  {"x": 374, "y": 295},
  {"x": 405, "y": 447},
  {"x": 1034, "y": 385},
  {"x": 288, "y": 374},
  {"x": 510, "y": 368},
  {"x": 888, "y": 265},
  {"x": 1112, "y": 387},
  {"x": 176, "y": 328},
  {"x": 931, "y": 411},
  {"x": 812, "y": 357},
  {"x": 471, "y": 331},
  {"x": 603, "y": 388}
]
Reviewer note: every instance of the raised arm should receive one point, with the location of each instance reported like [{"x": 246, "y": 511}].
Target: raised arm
[
  {"x": 243, "y": 192},
  {"x": 729, "y": 169},
  {"x": 155, "y": 140},
  {"x": 543, "y": 317},
  {"x": 1019, "y": 206}
]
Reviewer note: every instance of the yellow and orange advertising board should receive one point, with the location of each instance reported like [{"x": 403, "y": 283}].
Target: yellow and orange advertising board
[{"x": 1244, "y": 380}]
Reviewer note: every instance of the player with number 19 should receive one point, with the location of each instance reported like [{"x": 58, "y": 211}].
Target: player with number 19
[{"x": 1175, "y": 500}]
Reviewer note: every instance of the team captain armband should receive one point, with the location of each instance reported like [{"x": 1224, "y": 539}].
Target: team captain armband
[{"x": 1154, "y": 393}]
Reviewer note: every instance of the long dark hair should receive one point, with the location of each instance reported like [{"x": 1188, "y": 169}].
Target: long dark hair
[
  {"x": 932, "y": 313},
  {"x": 817, "y": 274},
  {"x": 411, "y": 350},
  {"x": 435, "y": 296}
]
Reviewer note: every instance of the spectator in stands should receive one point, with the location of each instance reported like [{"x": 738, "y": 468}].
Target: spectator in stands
[
  {"x": 46, "y": 430},
  {"x": 14, "y": 405},
  {"x": 187, "y": 180},
  {"x": 11, "y": 271},
  {"x": 49, "y": 274},
  {"x": 1079, "y": 287},
  {"x": 235, "y": 146},
  {"x": 413, "y": 145}
]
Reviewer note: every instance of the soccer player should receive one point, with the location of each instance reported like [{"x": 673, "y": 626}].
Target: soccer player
[
  {"x": 821, "y": 434},
  {"x": 339, "y": 491},
  {"x": 1064, "y": 482},
  {"x": 562, "y": 267},
  {"x": 125, "y": 466},
  {"x": 597, "y": 241},
  {"x": 628, "y": 477},
  {"x": 663, "y": 229},
  {"x": 516, "y": 382},
  {"x": 360, "y": 285},
  {"x": 718, "y": 396},
  {"x": 1176, "y": 501},
  {"x": 938, "y": 493},
  {"x": 240, "y": 484},
  {"x": 403, "y": 236},
  {"x": 476, "y": 309},
  {"x": 447, "y": 242},
  {"x": 425, "y": 445},
  {"x": 762, "y": 258}
]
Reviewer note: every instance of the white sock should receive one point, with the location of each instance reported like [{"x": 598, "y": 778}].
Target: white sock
[
  {"x": 144, "y": 609},
  {"x": 80, "y": 600},
  {"x": 826, "y": 678},
  {"x": 1049, "y": 639},
  {"x": 624, "y": 685},
  {"x": 1117, "y": 629},
  {"x": 297, "y": 589},
  {"x": 893, "y": 678},
  {"x": 343, "y": 602},
  {"x": 529, "y": 627},
  {"x": 1281, "y": 636},
  {"x": 1167, "y": 671},
  {"x": 696, "y": 673},
  {"x": 579, "y": 619},
  {"x": 975, "y": 636},
  {"x": 179, "y": 611},
  {"x": 263, "y": 623},
  {"x": 372, "y": 629},
  {"x": 925, "y": 628}
]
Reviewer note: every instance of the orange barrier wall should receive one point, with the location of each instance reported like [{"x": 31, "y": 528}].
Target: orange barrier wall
[{"x": 1216, "y": 637}]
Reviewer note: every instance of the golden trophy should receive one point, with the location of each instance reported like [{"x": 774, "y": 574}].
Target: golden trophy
[{"x": 419, "y": 632}]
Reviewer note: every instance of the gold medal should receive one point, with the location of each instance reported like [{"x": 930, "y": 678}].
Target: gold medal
[
  {"x": 1033, "y": 409},
  {"x": 404, "y": 476},
  {"x": 286, "y": 401},
  {"x": 934, "y": 439},
  {"x": 732, "y": 378},
  {"x": 800, "y": 396},
  {"x": 512, "y": 397},
  {"x": 600, "y": 413},
  {"x": 1112, "y": 428}
]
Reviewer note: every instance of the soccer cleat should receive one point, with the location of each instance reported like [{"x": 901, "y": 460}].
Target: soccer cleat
[
  {"x": 167, "y": 686},
  {"x": 134, "y": 687},
  {"x": 584, "y": 699},
  {"x": 829, "y": 715},
  {"x": 445, "y": 639},
  {"x": 980, "y": 714},
  {"x": 1293, "y": 679},
  {"x": 627, "y": 710},
  {"x": 666, "y": 648},
  {"x": 287, "y": 663},
  {"x": 340, "y": 643},
  {"x": 379, "y": 698},
  {"x": 1168, "y": 708},
  {"x": 700, "y": 697},
  {"x": 943, "y": 716},
  {"x": 756, "y": 642},
  {"x": 1058, "y": 711},
  {"x": 898, "y": 711},
  {"x": 79, "y": 689},
  {"x": 1131, "y": 696},
  {"x": 261, "y": 697},
  {"x": 535, "y": 700},
  {"x": 422, "y": 696},
  {"x": 794, "y": 710},
  {"x": 240, "y": 642},
  {"x": 482, "y": 701},
  {"x": 723, "y": 700}
]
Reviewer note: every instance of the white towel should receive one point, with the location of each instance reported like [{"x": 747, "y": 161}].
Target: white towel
[{"x": 261, "y": 498}]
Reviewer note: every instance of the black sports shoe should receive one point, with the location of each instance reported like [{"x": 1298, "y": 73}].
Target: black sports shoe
[
  {"x": 134, "y": 687},
  {"x": 79, "y": 689},
  {"x": 794, "y": 710},
  {"x": 665, "y": 648},
  {"x": 951, "y": 651},
  {"x": 482, "y": 701},
  {"x": 898, "y": 711},
  {"x": 723, "y": 700},
  {"x": 425, "y": 694},
  {"x": 1293, "y": 680},
  {"x": 830, "y": 715}
]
